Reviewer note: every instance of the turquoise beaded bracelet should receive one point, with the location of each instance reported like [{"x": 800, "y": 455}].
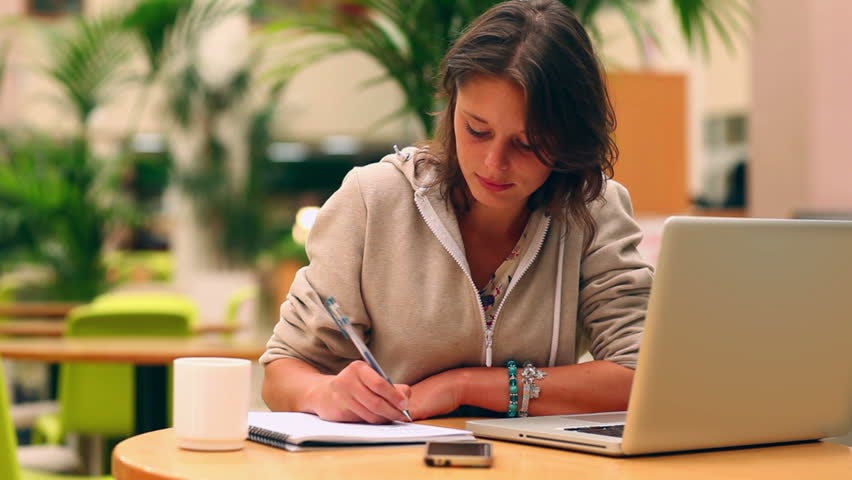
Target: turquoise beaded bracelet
[{"x": 513, "y": 388}]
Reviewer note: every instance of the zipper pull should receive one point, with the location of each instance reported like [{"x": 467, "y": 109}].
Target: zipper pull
[
  {"x": 399, "y": 154},
  {"x": 489, "y": 340}
]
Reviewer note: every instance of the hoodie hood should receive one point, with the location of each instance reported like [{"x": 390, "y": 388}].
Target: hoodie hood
[
  {"x": 405, "y": 161},
  {"x": 434, "y": 209}
]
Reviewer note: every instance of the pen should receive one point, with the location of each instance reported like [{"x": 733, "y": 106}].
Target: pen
[{"x": 349, "y": 332}]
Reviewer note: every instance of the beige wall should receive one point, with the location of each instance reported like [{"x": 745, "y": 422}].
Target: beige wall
[
  {"x": 93, "y": 7},
  {"x": 327, "y": 98},
  {"x": 722, "y": 79},
  {"x": 11, "y": 7},
  {"x": 801, "y": 155},
  {"x": 718, "y": 84},
  {"x": 28, "y": 99}
]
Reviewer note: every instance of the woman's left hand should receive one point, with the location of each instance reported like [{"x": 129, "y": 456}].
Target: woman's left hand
[{"x": 437, "y": 395}]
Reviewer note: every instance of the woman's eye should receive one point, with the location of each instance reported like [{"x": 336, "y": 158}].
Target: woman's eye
[
  {"x": 523, "y": 146},
  {"x": 475, "y": 133}
]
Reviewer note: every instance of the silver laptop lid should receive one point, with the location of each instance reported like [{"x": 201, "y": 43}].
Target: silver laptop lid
[{"x": 748, "y": 338}]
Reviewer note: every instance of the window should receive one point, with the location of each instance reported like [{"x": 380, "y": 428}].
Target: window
[
  {"x": 724, "y": 131},
  {"x": 53, "y": 8},
  {"x": 723, "y": 183}
]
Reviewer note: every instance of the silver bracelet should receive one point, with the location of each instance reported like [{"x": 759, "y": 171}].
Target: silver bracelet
[{"x": 530, "y": 375}]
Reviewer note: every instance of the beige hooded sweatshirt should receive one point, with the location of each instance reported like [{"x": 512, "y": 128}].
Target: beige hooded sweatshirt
[{"x": 390, "y": 251}]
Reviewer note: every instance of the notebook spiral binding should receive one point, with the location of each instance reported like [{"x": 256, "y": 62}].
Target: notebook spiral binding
[{"x": 267, "y": 437}]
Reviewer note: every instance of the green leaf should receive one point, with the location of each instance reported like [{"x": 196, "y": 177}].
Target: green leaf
[
  {"x": 700, "y": 17},
  {"x": 87, "y": 61},
  {"x": 151, "y": 21},
  {"x": 51, "y": 214}
]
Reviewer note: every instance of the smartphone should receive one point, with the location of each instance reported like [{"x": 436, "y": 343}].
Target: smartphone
[{"x": 458, "y": 454}]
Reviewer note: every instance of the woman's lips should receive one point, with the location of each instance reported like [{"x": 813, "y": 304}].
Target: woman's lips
[{"x": 494, "y": 186}]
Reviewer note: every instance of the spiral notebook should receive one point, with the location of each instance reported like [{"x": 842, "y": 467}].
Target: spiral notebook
[{"x": 300, "y": 431}]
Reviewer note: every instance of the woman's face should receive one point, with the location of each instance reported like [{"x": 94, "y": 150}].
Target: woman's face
[{"x": 494, "y": 154}]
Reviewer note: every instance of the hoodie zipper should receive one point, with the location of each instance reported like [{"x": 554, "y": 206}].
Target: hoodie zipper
[
  {"x": 441, "y": 234},
  {"x": 522, "y": 269},
  {"x": 443, "y": 237}
]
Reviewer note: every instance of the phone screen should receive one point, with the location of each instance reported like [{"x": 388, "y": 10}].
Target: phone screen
[
  {"x": 459, "y": 448},
  {"x": 458, "y": 454}
]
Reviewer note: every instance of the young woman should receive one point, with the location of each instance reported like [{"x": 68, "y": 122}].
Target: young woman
[{"x": 500, "y": 244}]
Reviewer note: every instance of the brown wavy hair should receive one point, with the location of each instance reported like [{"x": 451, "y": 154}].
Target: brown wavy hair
[{"x": 541, "y": 46}]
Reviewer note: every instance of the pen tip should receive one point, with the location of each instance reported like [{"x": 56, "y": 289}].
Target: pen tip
[{"x": 407, "y": 415}]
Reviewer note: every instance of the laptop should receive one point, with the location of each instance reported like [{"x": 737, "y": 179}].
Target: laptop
[{"x": 748, "y": 340}]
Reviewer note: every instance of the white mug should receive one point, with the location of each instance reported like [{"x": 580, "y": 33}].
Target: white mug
[{"x": 211, "y": 402}]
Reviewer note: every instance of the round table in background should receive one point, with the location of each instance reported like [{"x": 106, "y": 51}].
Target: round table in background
[{"x": 151, "y": 357}]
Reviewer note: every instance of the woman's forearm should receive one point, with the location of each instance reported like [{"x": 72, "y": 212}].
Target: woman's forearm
[
  {"x": 287, "y": 384},
  {"x": 290, "y": 384},
  {"x": 597, "y": 386}
]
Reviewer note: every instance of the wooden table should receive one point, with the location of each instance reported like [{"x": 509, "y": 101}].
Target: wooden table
[
  {"x": 43, "y": 327},
  {"x": 155, "y": 456},
  {"x": 139, "y": 351},
  {"x": 151, "y": 356},
  {"x": 36, "y": 309}
]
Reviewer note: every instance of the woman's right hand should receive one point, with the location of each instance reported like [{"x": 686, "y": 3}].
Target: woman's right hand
[{"x": 359, "y": 394}]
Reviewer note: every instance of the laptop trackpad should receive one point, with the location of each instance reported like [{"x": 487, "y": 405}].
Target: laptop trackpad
[{"x": 591, "y": 419}]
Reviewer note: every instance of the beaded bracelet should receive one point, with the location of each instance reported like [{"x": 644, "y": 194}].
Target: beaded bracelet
[
  {"x": 513, "y": 388},
  {"x": 530, "y": 375}
]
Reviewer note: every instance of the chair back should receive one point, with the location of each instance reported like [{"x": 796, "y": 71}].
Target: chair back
[
  {"x": 99, "y": 398},
  {"x": 238, "y": 301},
  {"x": 9, "y": 468},
  {"x": 148, "y": 302},
  {"x": 124, "y": 321}
]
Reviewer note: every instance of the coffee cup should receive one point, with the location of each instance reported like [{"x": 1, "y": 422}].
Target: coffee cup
[{"x": 211, "y": 402}]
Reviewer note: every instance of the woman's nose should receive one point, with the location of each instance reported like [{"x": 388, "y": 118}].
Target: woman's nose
[{"x": 497, "y": 158}]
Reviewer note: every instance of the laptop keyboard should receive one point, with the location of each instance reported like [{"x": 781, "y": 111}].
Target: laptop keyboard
[{"x": 610, "y": 431}]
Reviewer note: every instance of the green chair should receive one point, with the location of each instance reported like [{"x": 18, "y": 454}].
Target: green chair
[
  {"x": 147, "y": 301},
  {"x": 125, "y": 266},
  {"x": 7, "y": 293},
  {"x": 99, "y": 399},
  {"x": 236, "y": 301},
  {"x": 9, "y": 467}
]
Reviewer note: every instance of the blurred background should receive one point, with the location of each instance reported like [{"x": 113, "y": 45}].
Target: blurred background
[
  {"x": 185, "y": 145},
  {"x": 162, "y": 139}
]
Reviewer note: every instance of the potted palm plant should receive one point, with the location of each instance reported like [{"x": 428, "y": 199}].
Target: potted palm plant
[
  {"x": 57, "y": 200},
  {"x": 218, "y": 132},
  {"x": 409, "y": 39},
  {"x": 219, "y": 172}
]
